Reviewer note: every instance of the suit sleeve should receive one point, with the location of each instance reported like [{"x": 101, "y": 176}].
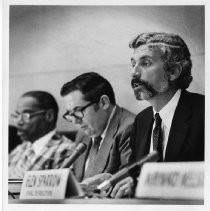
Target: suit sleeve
[
  {"x": 125, "y": 147},
  {"x": 132, "y": 157}
]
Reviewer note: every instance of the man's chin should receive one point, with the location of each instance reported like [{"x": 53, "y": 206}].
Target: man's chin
[
  {"x": 143, "y": 95},
  {"x": 22, "y": 135},
  {"x": 23, "y": 138},
  {"x": 139, "y": 98}
]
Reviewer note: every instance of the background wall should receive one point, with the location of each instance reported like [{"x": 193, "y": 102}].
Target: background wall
[{"x": 49, "y": 45}]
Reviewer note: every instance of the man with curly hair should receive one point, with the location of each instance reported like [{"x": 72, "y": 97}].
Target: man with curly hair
[{"x": 174, "y": 123}]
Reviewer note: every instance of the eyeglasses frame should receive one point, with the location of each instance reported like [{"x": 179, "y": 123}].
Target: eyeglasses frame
[
  {"x": 72, "y": 113},
  {"x": 30, "y": 115}
]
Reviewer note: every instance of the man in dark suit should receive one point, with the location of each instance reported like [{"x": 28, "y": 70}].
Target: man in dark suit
[
  {"x": 91, "y": 106},
  {"x": 186, "y": 137},
  {"x": 174, "y": 124}
]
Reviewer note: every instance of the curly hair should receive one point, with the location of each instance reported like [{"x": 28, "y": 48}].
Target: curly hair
[{"x": 174, "y": 51}]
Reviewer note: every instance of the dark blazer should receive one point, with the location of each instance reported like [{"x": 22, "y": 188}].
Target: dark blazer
[
  {"x": 115, "y": 150},
  {"x": 186, "y": 136}
]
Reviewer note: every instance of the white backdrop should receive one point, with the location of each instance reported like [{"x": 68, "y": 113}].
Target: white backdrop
[{"x": 49, "y": 45}]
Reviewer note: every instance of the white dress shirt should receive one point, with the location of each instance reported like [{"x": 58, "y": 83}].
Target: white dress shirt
[{"x": 166, "y": 114}]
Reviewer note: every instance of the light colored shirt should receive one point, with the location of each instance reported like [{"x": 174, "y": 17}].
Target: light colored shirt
[
  {"x": 39, "y": 145},
  {"x": 166, "y": 114},
  {"x": 102, "y": 135},
  {"x": 50, "y": 152}
]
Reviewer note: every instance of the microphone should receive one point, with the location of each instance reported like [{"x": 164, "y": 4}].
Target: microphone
[
  {"x": 81, "y": 147},
  {"x": 127, "y": 171}
]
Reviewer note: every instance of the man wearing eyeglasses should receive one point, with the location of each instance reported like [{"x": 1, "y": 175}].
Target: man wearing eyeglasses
[
  {"x": 103, "y": 125},
  {"x": 42, "y": 148}
]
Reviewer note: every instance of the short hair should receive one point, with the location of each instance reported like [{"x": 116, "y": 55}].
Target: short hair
[
  {"x": 92, "y": 86},
  {"x": 45, "y": 100},
  {"x": 174, "y": 51}
]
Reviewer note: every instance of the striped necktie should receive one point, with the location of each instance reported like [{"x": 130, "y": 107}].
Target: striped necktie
[
  {"x": 92, "y": 156},
  {"x": 157, "y": 137}
]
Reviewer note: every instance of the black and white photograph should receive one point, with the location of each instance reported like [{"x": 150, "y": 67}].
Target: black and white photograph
[{"x": 104, "y": 104}]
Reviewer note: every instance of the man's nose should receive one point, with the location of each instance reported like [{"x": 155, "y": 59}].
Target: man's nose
[
  {"x": 136, "y": 71},
  {"x": 19, "y": 120}
]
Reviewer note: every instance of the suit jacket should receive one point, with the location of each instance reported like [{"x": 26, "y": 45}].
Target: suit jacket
[
  {"x": 115, "y": 150},
  {"x": 186, "y": 136}
]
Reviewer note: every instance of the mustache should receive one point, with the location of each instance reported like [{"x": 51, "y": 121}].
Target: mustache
[{"x": 135, "y": 82}]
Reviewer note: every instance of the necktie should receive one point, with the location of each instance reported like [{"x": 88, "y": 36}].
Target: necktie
[
  {"x": 92, "y": 156},
  {"x": 157, "y": 136}
]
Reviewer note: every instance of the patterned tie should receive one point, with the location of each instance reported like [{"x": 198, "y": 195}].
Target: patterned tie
[
  {"x": 92, "y": 156},
  {"x": 157, "y": 137}
]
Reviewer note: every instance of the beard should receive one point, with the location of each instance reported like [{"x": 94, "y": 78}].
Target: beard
[{"x": 144, "y": 91}]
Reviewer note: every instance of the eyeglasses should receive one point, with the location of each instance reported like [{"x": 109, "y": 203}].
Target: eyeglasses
[
  {"x": 79, "y": 114},
  {"x": 25, "y": 116}
]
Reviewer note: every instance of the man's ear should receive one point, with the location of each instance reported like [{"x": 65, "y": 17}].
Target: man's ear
[
  {"x": 104, "y": 102},
  {"x": 50, "y": 115},
  {"x": 174, "y": 72}
]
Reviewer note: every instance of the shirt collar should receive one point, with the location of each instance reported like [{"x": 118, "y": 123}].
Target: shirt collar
[
  {"x": 108, "y": 122},
  {"x": 167, "y": 112},
  {"x": 40, "y": 143}
]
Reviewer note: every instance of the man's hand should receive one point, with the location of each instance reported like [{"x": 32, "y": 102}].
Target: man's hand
[
  {"x": 90, "y": 184},
  {"x": 124, "y": 188},
  {"x": 96, "y": 179}
]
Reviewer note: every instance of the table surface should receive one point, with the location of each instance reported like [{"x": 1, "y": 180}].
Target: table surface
[{"x": 106, "y": 201}]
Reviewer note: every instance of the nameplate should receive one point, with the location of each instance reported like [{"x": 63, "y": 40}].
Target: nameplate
[
  {"x": 45, "y": 184},
  {"x": 184, "y": 180}
]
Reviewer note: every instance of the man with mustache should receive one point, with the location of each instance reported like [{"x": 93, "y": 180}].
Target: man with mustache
[
  {"x": 102, "y": 125},
  {"x": 174, "y": 123},
  {"x": 42, "y": 148}
]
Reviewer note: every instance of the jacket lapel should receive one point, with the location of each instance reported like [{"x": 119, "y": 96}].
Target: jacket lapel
[
  {"x": 146, "y": 131},
  {"x": 179, "y": 128},
  {"x": 79, "y": 167},
  {"x": 103, "y": 154}
]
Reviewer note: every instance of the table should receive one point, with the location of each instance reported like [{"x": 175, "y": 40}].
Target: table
[{"x": 108, "y": 201}]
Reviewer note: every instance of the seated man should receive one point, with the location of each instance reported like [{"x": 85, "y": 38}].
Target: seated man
[
  {"x": 42, "y": 148},
  {"x": 103, "y": 125},
  {"x": 174, "y": 123}
]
